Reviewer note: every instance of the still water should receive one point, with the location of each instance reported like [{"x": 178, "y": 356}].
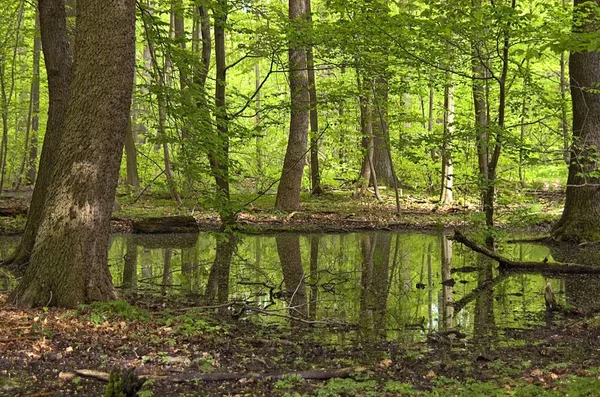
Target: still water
[{"x": 388, "y": 285}]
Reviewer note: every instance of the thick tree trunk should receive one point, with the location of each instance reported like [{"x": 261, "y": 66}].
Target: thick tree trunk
[
  {"x": 581, "y": 216},
  {"x": 69, "y": 262},
  {"x": 290, "y": 184},
  {"x": 57, "y": 57}
]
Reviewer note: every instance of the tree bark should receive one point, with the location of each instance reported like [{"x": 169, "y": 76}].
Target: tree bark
[
  {"x": 315, "y": 174},
  {"x": 581, "y": 216},
  {"x": 367, "y": 172},
  {"x": 219, "y": 153},
  {"x": 446, "y": 196},
  {"x": 381, "y": 134},
  {"x": 69, "y": 261},
  {"x": 133, "y": 178},
  {"x": 290, "y": 184},
  {"x": 58, "y": 61}
]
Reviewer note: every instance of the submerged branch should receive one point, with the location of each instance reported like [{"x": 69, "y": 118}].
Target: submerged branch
[{"x": 533, "y": 267}]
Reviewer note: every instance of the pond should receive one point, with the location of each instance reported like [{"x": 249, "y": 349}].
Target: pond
[{"x": 396, "y": 286}]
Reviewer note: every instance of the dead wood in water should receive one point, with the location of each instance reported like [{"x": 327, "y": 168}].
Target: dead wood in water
[{"x": 526, "y": 267}]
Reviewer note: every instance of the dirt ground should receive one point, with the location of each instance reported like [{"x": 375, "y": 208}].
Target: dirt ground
[{"x": 165, "y": 339}]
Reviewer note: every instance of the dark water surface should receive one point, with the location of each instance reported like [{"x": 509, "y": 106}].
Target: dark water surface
[{"x": 390, "y": 285}]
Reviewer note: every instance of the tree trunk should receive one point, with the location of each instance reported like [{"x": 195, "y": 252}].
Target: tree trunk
[
  {"x": 133, "y": 178},
  {"x": 381, "y": 135},
  {"x": 581, "y": 216},
  {"x": 257, "y": 125},
  {"x": 57, "y": 57},
  {"x": 366, "y": 127},
  {"x": 219, "y": 152},
  {"x": 8, "y": 88},
  {"x": 27, "y": 170},
  {"x": 447, "y": 164},
  {"x": 564, "y": 122},
  {"x": 290, "y": 184},
  {"x": 35, "y": 106},
  {"x": 69, "y": 261},
  {"x": 315, "y": 175}
]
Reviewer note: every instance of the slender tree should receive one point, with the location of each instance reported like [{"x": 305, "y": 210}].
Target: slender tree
[
  {"x": 69, "y": 261},
  {"x": 315, "y": 174},
  {"x": 219, "y": 153}
]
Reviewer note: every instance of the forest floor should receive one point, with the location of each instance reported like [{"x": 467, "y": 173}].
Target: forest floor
[
  {"x": 336, "y": 211},
  {"x": 40, "y": 350}
]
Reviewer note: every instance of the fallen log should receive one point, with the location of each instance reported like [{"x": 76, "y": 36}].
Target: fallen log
[
  {"x": 167, "y": 224},
  {"x": 318, "y": 374},
  {"x": 525, "y": 267}
]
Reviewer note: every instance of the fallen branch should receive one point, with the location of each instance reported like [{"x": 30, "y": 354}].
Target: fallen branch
[
  {"x": 533, "y": 267},
  {"x": 318, "y": 374}
]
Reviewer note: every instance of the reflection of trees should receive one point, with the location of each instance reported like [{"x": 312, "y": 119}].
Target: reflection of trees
[
  {"x": 167, "y": 276},
  {"x": 484, "y": 327},
  {"x": 217, "y": 287},
  {"x": 314, "y": 268},
  {"x": 288, "y": 249},
  {"x": 581, "y": 290},
  {"x": 374, "y": 283},
  {"x": 447, "y": 308},
  {"x": 146, "y": 263},
  {"x": 130, "y": 267},
  {"x": 189, "y": 266}
]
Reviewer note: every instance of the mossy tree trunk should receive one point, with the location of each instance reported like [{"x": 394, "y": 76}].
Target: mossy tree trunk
[
  {"x": 69, "y": 261},
  {"x": 581, "y": 216}
]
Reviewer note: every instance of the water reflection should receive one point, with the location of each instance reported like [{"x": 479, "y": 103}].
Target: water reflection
[{"x": 394, "y": 286}]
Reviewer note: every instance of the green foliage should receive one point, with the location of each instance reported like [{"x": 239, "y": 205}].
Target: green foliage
[
  {"x": 100, "y": 312},
  {"x": 399, "y": 388},
  {"x": 192, "y": 324},
  {"x": 351, "y": 387},
  {"x": 288, "y": 382}
]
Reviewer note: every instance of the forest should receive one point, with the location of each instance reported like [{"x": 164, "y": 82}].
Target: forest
[{"x": 299, "y": 198}]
